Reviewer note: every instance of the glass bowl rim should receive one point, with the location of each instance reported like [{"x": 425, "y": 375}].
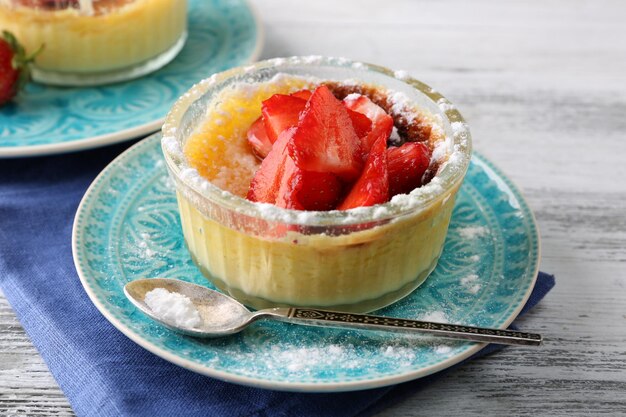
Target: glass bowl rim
[{"x": 419, "y": 199}]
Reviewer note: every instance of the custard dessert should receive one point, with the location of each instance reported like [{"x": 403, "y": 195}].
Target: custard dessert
[
  {"x": 315, "y": 182},
  {"x": 94, "y": 41}
]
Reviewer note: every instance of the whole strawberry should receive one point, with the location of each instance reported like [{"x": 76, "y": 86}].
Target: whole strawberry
[{"x": 14, "y": 72}]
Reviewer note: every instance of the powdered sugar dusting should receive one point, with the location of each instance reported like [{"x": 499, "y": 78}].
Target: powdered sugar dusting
[
  {"x": 358, "y": 65},
  {"x": 312, "y": 59},
  {"x": 473, "y": 232},
  {"x": 436, "y": 316},
  {"x": 304, "y": 359},
  {"x": 173, "y": 307},
  {"x": 309, "y": 358},
  {"x": 172, "y": 146},
  {"x": 400, "y": 353},
  {"x": 441, "y": 150},
  {"x": 470, "y": 283},
  {"x": 395, "y": 139},
  {"x": 442, "y": 349},
  {"x": 445, "y": 105},
  {"x": 401, "y": 75},
  {"x": 146, "y": 251},
  {"x": 402, "y": 105}
]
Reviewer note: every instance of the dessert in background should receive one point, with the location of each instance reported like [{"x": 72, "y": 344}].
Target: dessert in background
[{"x": 96, "y": 41}]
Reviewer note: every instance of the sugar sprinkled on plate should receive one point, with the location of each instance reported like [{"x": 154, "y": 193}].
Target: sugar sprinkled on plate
[
  {"x": 173, "y": 307},
  {"x": 435, "y": 316},
  {"x": 473, "y": 232},
  {"x": 469, "y": 282}
]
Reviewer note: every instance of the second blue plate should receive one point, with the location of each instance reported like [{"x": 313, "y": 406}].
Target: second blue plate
[{"x": 47, "y": 120}]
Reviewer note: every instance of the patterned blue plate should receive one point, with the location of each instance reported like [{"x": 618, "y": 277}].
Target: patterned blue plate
[
  {"x": 47, "y": 120},
  {"x": 127, "y": 227}
]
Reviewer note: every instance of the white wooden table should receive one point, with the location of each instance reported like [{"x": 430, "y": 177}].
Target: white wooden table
[{"x": 543, "y": 87}]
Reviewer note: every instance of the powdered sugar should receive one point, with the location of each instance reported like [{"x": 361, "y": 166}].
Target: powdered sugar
[
  {"x": 442, "y": 349},
  {"x": 146, "y": 251},
  {"x": 173, "y": 307},
  {"x": 470, "y": 283},
  {"x": 171, "y": 144},
  {"x": 445, "y": 105},
  {"x": 436, "y": 316},
  {"x": 441, "y": 150},
  {"x": 401, "y": 75},
  {"x": 473, "y": 232},
  {"x": 402, "y": 105},
  {"x": 342, "y": 355}
]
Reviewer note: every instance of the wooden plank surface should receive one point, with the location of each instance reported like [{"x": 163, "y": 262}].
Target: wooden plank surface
[{"x": 543, "y": 87}]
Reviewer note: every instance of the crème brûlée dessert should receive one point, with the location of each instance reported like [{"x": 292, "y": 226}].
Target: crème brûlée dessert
[
  {"x": 315, "y": 182},
  {"x": 83, "y": 37}
]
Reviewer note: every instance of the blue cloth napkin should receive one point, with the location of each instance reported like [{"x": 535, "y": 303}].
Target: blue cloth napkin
[{"x": 102, "y": 372}]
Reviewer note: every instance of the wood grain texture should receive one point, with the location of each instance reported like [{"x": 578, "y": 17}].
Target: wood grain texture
[{"x": 543, "y": 87}]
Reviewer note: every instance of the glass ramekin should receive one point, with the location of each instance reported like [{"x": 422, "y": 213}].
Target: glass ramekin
[
  {"x": 104, "y": 42},
  {"x": 356, "y": 260}
]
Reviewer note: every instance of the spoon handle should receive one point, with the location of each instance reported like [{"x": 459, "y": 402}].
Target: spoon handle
[{"x": 369, "y": 322}]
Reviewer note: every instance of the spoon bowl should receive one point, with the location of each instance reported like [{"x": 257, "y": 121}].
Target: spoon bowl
[{"x": 222, "y": 316}]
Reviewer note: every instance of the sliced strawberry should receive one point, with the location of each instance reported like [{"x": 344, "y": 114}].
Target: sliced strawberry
[
  {"x": 258, "y": 140},
  {"x": 320, "y": 191},
  {"x": 290, "y": 185},
  {"x": 372, "y": 187},
  {"x": 277, "y": 179},
  {"x": 280, "y": 112},
  {"x": 304, "y": 94},
  {"x": 407, "y": 164},
  {"x": 325, "y": 140},
  {"x": 382, "y": 123},
  {"x": 382, "y": 127},
  {"x": 361, "y": 123},
  {"x": 364, "y": 105}
]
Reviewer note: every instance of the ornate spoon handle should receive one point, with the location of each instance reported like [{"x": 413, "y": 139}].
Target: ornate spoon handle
[{"x": 369, "y": 322}]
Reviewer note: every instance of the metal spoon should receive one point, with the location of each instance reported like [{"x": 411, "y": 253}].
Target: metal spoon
[{"x": 221, "y": 316}]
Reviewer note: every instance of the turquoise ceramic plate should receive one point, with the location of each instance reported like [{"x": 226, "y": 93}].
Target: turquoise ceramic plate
[
  {"x": 127, "y": 227},
  {"x": 46, "y": 120}
]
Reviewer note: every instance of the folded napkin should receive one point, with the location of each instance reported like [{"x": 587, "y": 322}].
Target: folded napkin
[{"x": 99, "y": 369}]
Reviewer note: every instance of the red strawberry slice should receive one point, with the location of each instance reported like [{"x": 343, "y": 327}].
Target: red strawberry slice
[
  {"x": 277, "y": 179},
  {"x": 325, "y": 140},
  {"x": 258, "y": 140},
  {"x": 372, "y": 187},
  {"x": 280, "y": 112},
  {"x": 364, "y": 105},
  {"x": 382, "y": 123},
  {"x": 303, "y": 94},
  {"x": 361, "y": 123},
  {"x": 407, "y": 165},
  {"x": 320, "y": 191}
]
